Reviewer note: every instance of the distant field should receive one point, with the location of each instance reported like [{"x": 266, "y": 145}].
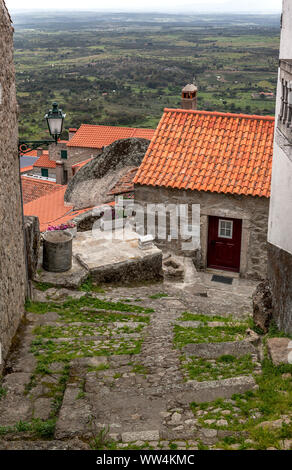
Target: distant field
[{"x": 124, "y": 69}]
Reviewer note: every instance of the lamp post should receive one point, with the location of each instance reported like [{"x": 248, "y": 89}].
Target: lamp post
[{"x": 55, "y": 120}]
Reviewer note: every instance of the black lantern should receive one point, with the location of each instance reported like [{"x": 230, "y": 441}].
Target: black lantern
[{"x": 55, "y": 119}]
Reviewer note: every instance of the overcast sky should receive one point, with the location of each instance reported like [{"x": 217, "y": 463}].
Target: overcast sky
[{"x": 183, "y": 6}]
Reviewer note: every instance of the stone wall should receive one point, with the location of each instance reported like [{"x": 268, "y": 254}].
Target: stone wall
[
  {"x": 77, "y": 155},
  {"x": 280, "y": 280},
  {"x": 32, "y": 241},
  {"x": 38, "y": 172},
  {"x": 252, "y": 210},
  {"x": 12, "y": 262},
  {"x": 55, "y": 150}
]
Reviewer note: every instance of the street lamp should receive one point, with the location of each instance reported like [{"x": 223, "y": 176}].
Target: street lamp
[{"x": 55, "y": 120}]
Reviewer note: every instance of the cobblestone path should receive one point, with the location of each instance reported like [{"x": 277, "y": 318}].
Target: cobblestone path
[{"x": 113, "y": 369}]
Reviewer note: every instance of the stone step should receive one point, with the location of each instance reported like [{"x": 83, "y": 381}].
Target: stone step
[
  {"x": 198, "y": 324},
  {"x": 214, "y": 350},
  {"x": 20, "y": 444},
  {"x": 201, "y": 392}
]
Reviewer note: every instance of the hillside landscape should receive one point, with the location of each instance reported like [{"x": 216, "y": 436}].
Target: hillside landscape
[{"x": 123, "y": 69}]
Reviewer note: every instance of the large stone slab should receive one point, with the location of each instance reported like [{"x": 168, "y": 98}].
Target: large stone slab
[
  {"x": 200, "y": 392},
  {"x": 214, "y": 350},
  {"x": 70, "y": 279},
  {"x": 110, "y": 259},
  {"x": 280, "y": 350},
  {"x": 75, "y": 415}
]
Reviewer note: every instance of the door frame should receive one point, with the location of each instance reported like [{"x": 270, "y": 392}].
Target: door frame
[{"x": 223, "y": 268}]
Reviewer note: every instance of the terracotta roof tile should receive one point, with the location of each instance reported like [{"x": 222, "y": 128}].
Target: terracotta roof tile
[
  {"x": 125, "y": 183},
  {"x": 33, "y": 189},
  {"x": 210, "y": 151},
  {"x": 25, "y": 169},
  {"x": 100, "y": 136},
  {"x": 44, "y": 161},
  {"x": 51, "y": 209}
]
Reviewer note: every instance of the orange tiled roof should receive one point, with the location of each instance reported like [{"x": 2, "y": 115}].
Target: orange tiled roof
[
  {"x": 25, "y": 169},
  {"x": 100, "y": 136},
  {"x": 210, "y": 151},
  {"x": 31, "y": 153},
  {"x": 125, "y": 183},
  {"x": 33, "y": 189},
  {"x": 44, "y": 161},
  {"x": 51, "y": 209}
]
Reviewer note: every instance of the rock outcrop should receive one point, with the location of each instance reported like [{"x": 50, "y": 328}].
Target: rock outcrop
[
  {"x": 90, "y": 186},
  {"x": 262, "y": 306}
]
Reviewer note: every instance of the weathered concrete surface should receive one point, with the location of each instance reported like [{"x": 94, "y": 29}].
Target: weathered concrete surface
[
  {"x": 280, "y": 350},
  {"x": 117, "y": 259},
  {"x": 280, "y": 280},
  {"x": 71, "y": 279},
  {"x": 262, "y": 306},
  {"x": 91, "y": 184},
  {"x": 12, "y": 261}
]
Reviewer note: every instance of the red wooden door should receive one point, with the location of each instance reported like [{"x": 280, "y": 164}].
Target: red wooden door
[{"x": 224, "y": 243}]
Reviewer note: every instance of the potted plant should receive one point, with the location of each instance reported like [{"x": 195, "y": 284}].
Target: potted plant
[{"x": 70, "y": 228}]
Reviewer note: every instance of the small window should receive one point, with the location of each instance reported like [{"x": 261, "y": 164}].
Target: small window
[
  {"x": 64, "y": 154},
  {"x": 45, "y": 172},
  {"x": 225, "y": 229}
]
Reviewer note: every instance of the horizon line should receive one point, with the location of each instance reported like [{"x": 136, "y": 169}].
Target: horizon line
[{"x": 173, "y": 12}]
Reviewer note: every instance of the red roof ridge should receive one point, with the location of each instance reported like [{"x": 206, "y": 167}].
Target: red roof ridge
[
  {"x": 219, "y": 113},
  {"x": 116, "y": 127}
]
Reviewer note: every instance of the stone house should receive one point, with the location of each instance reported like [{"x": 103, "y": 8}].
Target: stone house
[
  {"x": 13, "y": 279},
  {"x": 280, "y": 220},
  {"x": 222, "y": 162}
]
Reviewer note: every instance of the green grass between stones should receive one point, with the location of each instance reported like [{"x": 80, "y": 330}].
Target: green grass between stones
[
  {"x": 90, "y": 286},
  {"x": 85, "y": 327},
  {"x": 244, "y": 413},
  {"x": 186, "y": 316},
  {"x": 37, "y": 427},
  {"x": 159, "y": 295},
  {"x": 205, "y": 334},
  {"x": 74, "y": 305},
  {"x": 223, "y": 367}
]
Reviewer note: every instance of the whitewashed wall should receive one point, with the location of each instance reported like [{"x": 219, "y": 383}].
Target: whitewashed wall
[{"x": 280, "y": 218}]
